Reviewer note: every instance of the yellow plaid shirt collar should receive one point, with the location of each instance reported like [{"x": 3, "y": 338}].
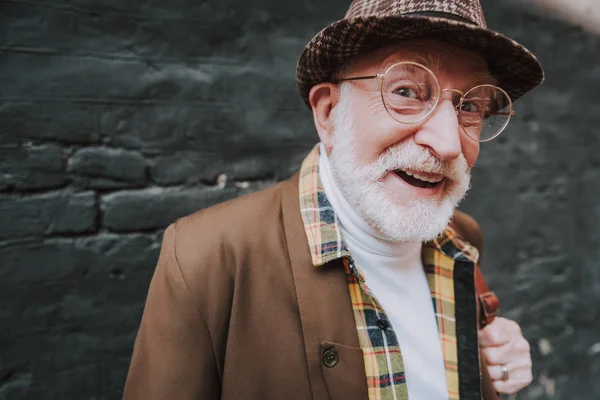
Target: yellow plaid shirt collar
[{"x": 448, "y": 263}]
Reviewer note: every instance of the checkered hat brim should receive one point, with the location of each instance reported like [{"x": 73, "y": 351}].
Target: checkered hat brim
[{"x": 517, "y": 69}]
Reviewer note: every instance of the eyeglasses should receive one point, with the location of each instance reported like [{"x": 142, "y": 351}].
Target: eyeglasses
[{"x": 410, "y": 93}]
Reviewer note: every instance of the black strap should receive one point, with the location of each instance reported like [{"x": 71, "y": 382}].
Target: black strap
[{"x": 467, "y": 344}]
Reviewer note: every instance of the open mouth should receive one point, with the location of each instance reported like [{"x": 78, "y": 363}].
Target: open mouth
[{"x": 419, "y": 180}]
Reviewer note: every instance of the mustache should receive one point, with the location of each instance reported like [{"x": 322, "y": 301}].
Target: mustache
[{"x": 412, "y": 157}]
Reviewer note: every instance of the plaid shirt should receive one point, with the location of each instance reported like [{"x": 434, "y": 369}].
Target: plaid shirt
[{"x": 441, "y": 258}]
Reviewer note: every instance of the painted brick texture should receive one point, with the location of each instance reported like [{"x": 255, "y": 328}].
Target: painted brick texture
[{"x": 117, "y": 117}]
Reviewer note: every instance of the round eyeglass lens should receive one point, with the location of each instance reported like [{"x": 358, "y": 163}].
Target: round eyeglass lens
[
  {"x": 484, "y": 112},
  {"x": 410, "y": 92}
]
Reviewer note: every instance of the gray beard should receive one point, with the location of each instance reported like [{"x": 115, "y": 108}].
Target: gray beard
[{"x": 410, "y": 218}]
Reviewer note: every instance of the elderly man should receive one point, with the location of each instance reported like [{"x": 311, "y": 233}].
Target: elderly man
[{"x": 347, "y": 281}]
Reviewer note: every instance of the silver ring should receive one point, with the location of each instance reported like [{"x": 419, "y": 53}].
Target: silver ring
[{"x": 505, "y": 375}]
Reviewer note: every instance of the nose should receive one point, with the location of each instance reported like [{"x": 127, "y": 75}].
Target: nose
[{"x": 441, "y": 132}]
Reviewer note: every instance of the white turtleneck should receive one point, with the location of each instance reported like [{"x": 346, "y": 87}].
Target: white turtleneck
[{"x": 394, "y": 273}]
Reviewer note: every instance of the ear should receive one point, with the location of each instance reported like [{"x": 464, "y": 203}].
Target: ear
[{"x": 322, "y": 98}]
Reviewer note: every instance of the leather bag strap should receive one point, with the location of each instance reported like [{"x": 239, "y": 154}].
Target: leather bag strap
[{"x": 488, "y": 302}]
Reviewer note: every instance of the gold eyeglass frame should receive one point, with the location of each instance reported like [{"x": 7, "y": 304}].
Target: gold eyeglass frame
[{"x": 437, "y": 98}]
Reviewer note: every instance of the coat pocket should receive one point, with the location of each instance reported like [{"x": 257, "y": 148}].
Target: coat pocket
[{"x": 344, "y": 371}]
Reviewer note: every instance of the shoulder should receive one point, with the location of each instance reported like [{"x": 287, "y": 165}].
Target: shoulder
[
  {"x": 229, "y": 216},
  {"x": 218, "y": 239},
  {"x": 467, "y": 227}
]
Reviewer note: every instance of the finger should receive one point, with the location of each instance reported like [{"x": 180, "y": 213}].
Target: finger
[
  {"x": 513, "y": 384},
  {"x": 514, "y": 372},
  {"x": 517, "y": 352},
  {"x": 499, "y": 332},
  {"x": 506, "y": 387},
  {"x": 499, "y": 355},
  {"x": 495, "y": 372}
]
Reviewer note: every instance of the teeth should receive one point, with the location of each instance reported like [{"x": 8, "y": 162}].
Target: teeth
[{"x": 423, "y": 178}]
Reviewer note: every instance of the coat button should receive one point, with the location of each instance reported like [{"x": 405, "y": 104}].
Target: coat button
[
  {"x": 330, "y": 358},
  {"x": 383, "y": 324}
]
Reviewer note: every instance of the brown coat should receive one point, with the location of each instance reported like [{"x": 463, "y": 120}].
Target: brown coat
[{"x": 236, "y": 310}]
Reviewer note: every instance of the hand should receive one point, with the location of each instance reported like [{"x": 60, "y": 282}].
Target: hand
[{"x": 503, "y": 344}]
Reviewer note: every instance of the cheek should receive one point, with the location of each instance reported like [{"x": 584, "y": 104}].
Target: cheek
[
  {"x": 369, "y": 123},
  {"x": 377, "y": 131},
  {"x": 470, "y": 150}
]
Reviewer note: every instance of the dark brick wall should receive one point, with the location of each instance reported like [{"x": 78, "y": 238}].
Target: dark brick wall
[{"x": 117, "y": 117}]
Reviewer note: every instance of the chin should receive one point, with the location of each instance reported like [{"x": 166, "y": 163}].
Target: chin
[{"x": 406, "y": 219}]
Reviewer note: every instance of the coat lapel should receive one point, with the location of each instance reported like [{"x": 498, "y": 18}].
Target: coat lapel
[{"x": 325, "y": 312}]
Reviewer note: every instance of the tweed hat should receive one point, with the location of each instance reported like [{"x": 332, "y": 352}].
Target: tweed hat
[{"x": 371, "y": 24}]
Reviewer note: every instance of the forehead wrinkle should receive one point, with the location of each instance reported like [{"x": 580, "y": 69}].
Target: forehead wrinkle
[
  {"x": 385, "y": 57},
  {"x": 475, "y": 79},
  {"x": 483, "y": 78},
  {"x": 434, "y": 63},
  {"x": 431, "y": 61}
]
